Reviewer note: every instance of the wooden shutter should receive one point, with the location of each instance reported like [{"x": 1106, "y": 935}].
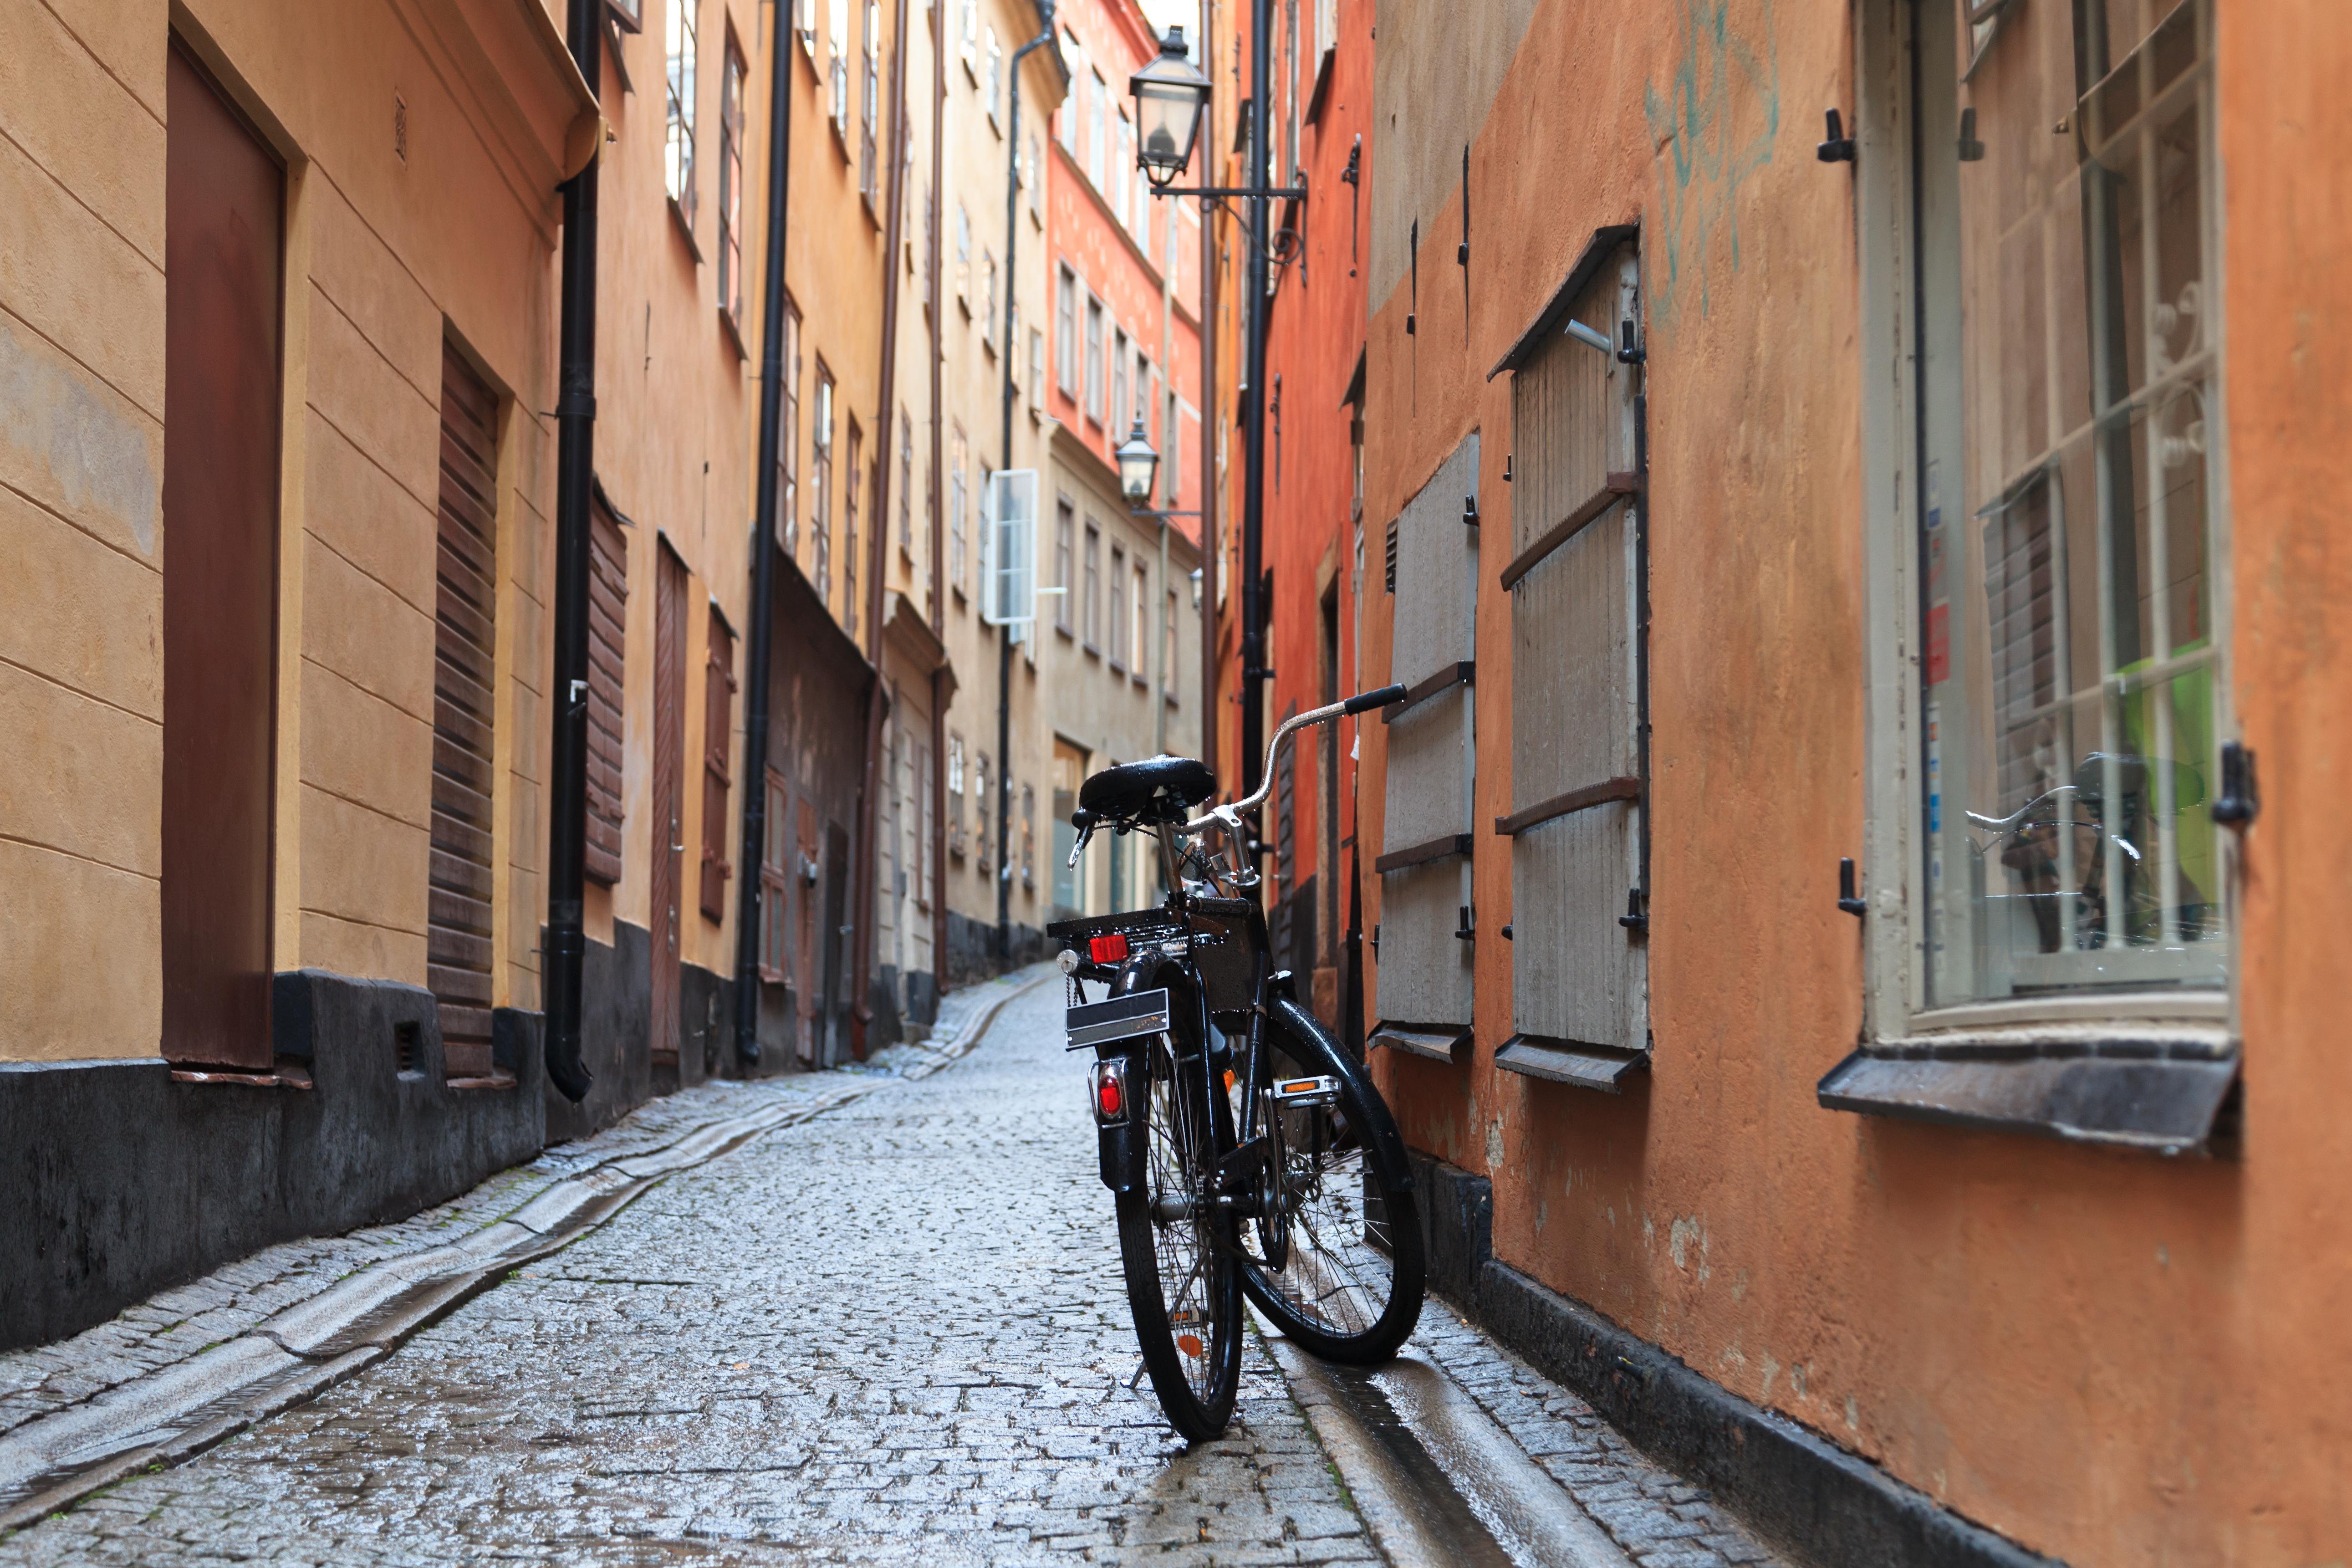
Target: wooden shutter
[
  {"x": 608, "y": 604},
  {"x": 717, "y": 717},
  {"x": 666, "y": 906},
  {"x": 1579, "y": 999},
  {"x": 458, "y": 942},
  {"x": 225, "y": 200},
  {"x": 1426, "y": 841}
]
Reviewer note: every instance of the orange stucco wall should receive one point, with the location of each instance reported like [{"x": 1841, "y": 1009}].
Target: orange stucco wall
[{"x": 2105, "y": 1357}]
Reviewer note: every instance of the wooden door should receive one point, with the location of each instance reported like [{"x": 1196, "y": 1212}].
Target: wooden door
[
  {"x": 667, "y": 911},
  {"x": 225, "y": 203},
  {"x": 458, "y": 944},
  {"x": 833, "y": 1031}
]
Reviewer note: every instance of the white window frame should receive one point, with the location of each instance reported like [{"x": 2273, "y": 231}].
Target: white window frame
[{"x": 1891, "y": 882}]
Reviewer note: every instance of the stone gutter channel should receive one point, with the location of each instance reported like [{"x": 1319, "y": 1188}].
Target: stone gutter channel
[{"x": 53, "y": 1453}]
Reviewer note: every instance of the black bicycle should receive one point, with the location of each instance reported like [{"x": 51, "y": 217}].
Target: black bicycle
[{"x": 1248, "y": 1152}]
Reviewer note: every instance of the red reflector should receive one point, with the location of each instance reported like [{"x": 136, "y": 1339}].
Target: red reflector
[
  {"x": 1108, "y": 1095},
  {"x": 1111, "y": 949}
]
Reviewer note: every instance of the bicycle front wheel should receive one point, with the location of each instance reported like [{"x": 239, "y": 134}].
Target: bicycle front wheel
[
  {"x": 1340, "y": 1270},
  {"x": 1181, "y": 1283}
]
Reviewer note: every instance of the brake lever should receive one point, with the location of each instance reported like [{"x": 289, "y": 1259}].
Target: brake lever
[{"x": 1080, "y": 847}]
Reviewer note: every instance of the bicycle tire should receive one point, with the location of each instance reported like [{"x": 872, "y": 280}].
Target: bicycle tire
[
  {"x": 1173, "y": 1242},
  {"x": 1352, "y": 1282}
]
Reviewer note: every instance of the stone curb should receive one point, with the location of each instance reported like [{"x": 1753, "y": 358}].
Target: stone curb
[{"x": 175, "y": 1413}]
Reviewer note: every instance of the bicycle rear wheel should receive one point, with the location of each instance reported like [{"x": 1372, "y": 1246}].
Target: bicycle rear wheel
[
  {"x": 1181, "y": 1283},
  {"x": 1342, "y": 1271}
]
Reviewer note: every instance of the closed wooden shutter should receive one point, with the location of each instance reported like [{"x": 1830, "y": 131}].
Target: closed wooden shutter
[
  {"x": 717, "y": 720},
  {"x": 1426, "y": 840},
  {"x": 608, "y": 605},
  {"x": 458, "y": 943},
  {"x": 666, "y": 908},
  {"x": 1579, "y": 999}
]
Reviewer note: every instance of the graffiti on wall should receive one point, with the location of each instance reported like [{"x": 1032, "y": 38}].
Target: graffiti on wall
[{"x": 1713, "y": 125}]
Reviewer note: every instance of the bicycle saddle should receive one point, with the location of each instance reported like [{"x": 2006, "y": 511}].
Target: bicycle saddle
[{"x": 1156, "y": 789}]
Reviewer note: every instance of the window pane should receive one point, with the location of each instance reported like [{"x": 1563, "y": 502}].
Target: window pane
[{"x": 2071, "y": 679}]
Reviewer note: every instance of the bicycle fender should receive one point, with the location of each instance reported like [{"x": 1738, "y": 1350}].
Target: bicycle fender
[
  {"x": 1304, "y": 1026},
  {"x": 1121, "y": 1147}
]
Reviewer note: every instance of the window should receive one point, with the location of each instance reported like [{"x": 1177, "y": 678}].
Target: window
[
  {"x": 959, "y": 456},
  {"x": 1118, "y": 648},
  {"x": 906, "y": 483},
  {"x": 1029, "y": 178},
  {"x": 968, "y": 45},
  {"x": 1069, "y": 774},
  {"x": 805, "y": 24},
  {"x": 775, "y": 950},
  {"x": 718, "y": 722},
  {"x": 981, "y": 802},
  {"x": 2071, "y": 679},
  {"x": 1139, "y": 622},
  {"x": 1097, "y": 98},
  {"x": 930, "y": 242},
  {"x": 964, "y": 258},
  {"x": 730, "y": 186},
  {"x": 1066, "y": 332},
  {"x": 995, "y": 81},
  {"x": 987, "y": 301},
  {"x": 836, "y": 44},
  {"x": 849, "y": 531},
  {"x": 1036, "y": 368},
  {"x": 1029, "y": 839},
  {"x": 608, "y": 624},
  {"x": 1121, "y": 407},
  {"x": 678, "y": 156},
  {"x": 1094, "y": 365},
  {"x": 788, "y": 442},
  {"x": 1069, "y": 116},
  {"x": 955, "y": 795},
  {"x": 869, "y": 176},
  {"x": 1168, "y": 646},
  {"x": 821, "y": 514},
  {"x": 1171, "y": 432},
  {"x": 1064, "y": 525},
  {"x": 1092, "y": 611},
  {"x": 1122, "y": 158}
]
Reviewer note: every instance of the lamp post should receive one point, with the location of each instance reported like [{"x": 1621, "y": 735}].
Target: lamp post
[{"x": 1169, "y": 96}]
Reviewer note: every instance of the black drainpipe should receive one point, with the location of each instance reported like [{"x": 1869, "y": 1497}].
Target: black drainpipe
[
  {"x": 764, "y": 545},
  {"x": 575, "y": 468},
  {"x": 1012, "y": 375}
]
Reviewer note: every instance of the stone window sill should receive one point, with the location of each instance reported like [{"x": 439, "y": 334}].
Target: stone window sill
[{"x": 2165, "y": 1090}]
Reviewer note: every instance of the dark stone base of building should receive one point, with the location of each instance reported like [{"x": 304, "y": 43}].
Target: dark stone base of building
[
  {"x": 123, "y": 1179},
  {"x": 616, "y": 1010},
  {"x": 1810, "y": 1496},
  {"x": 971, "y": 949}
]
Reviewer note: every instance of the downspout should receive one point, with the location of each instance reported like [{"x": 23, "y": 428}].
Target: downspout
[
  {"x": 878, "y": 535},
  {"x": 575, "y": 467},
  {"x": 1162, "y": 649},
  {"x": 764, "y": 545},
  {"x": 938, "y": 511},
  {"x": 1254, "y": 609},
  {"x": 1212, "y": 424},
  {"x": 1005, "y": 634}
]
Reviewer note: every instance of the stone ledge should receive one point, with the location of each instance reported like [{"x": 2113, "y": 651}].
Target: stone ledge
[{"x": 1802, "y": 1492}]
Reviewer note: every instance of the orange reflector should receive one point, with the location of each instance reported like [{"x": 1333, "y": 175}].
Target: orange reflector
[
  {"x": 1189, "y": 1344},
  {"x": 1111, "y": 949},
  {"x": 1108, "y": 1095},
  {"x": 1229, "y": 1078}
]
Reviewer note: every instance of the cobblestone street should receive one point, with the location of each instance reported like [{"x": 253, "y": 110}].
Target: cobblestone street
[{"x": 892, "y": 1333}]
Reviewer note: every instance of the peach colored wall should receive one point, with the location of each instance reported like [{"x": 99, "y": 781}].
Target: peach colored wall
[
  {"x": 376, "y": 270},
  {"x": 2105, "y": 1357}
]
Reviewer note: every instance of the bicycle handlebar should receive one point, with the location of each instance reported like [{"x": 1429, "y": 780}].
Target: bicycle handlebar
[{"x": 1363, "y": 702}]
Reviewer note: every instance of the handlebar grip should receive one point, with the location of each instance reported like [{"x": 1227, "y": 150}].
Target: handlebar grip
[{"x": 1365, "y": 702}]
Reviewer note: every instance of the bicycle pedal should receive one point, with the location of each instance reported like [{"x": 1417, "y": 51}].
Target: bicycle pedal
[{"x": 1294, "y": 1092}]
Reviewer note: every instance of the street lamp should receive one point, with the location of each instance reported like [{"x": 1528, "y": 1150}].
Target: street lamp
[
  {"x": 1168, "y": 98},
  {"x": 1138, "y": 463}
]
